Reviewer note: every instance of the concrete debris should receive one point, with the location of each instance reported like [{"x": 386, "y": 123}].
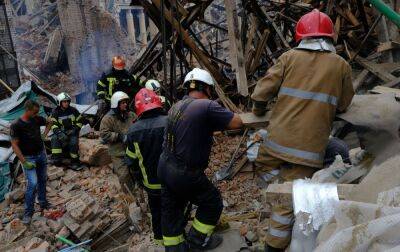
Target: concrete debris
[
  {"x": 15, "y": 196},
  {"x": 93, "y": 152}
]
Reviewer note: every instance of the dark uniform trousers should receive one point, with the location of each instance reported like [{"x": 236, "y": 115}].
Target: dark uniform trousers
[
  {"x": 72, "y": 145},
  {"x": 179, "y": 187}
]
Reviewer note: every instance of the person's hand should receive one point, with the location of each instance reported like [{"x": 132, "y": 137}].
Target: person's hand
[
  {"x": 28, "y": 165},
  {"x": 122, "y": 137}
]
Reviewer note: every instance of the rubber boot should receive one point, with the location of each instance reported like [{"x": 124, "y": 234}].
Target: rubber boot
[
  {"x": 181, "y": 247},
  {"x": 200, "y": 242}
]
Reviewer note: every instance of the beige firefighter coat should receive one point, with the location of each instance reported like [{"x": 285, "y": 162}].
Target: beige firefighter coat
[{"x": 311, "y": 86}]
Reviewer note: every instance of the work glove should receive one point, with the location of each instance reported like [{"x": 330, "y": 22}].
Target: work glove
[
  {"x": 29, "y": 165},
  {"x": 122, "y": 137},
  {"x": 259, "y": 108}
]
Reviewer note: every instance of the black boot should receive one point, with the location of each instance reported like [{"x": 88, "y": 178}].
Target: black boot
[
  {"x": 76, "y": 165},
  {"x": 56, "y": 161},
  {"x": 199, "y": 241},
  {"x": 181, "y": 247},
  {"x": 272, "y": 249}
]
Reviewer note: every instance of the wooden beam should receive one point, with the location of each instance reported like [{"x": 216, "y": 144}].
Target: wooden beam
[
  {"x": 252, "y": 121},
  {"x": 388, "y": 46},
  {"x": 376, "y": 69},
  {"x": 360, "y": 79},
  {"x": 236, "y": 47},
  {"x": 259, "y": 50},
  {"x": 392, "y": 83}
]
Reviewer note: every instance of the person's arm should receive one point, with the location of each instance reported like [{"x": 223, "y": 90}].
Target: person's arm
[
  {"x": 106, "y": 131},
  {"x": 132, "y": 160},
  {"x": 17, "y": 150},
  {"x": 78, "y": 119},
  {"x": 102, "y": 87},
  {"x": 235, "y": 123},
  {"x": 268, "y": 87},
  {"x": 49, "y": 124},
  {"x": 347, "y": 91}
]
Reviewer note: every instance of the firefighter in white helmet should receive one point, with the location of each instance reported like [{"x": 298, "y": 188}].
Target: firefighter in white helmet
[
  {"x": 66, "y": 124},
  {"x": 187, "y": 146},
  {"x": 154, "y": 85},
  {"x": 113, "y": 129}
]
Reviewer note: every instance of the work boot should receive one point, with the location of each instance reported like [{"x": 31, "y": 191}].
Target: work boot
[
  {"x": 272, "y": 249},
  {"x": 46, "y": 206},
  {"x": 56, "y": 161},
  {"x": 200, "y": 242},
  {"x": 76, "y": 165},
  {"x": 26, "y": 220},
  {"x": 181, "y": 247}
]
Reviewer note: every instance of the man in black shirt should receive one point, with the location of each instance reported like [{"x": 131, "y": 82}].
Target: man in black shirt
[
  {"x": 27, "y": 143},
  {"x": 186, "y": 150}
]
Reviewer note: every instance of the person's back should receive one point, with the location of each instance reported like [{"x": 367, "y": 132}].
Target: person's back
[
  {"x": 193, "y": 134},
  {"x": 313, "y": 88}
]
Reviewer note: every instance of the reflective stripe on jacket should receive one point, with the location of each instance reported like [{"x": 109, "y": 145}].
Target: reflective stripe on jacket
[{"x": 311, "y": 86}]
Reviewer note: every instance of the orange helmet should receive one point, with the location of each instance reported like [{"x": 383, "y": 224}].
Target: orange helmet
[{"x": 118, "y": 62}]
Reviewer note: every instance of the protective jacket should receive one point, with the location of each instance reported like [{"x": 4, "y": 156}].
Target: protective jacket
[
  {"x": 117, "y": 80},
  {"x": 311, "y": 86},
  {"x": 65, "y": 119},
  {"x": 144, "y": 147},
  {"x": 111, "y": 127}
]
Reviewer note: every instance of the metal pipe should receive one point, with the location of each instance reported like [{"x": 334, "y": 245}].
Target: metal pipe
[{"x": 387, "y": 11}]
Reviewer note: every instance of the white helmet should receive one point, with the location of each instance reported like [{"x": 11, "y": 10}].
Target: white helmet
[
  {"x": 153, "y": 85},
  {"x": 198, "y": 74},
  {"x": 63, "y": 97},
  {"x": 117, "y": 97}
]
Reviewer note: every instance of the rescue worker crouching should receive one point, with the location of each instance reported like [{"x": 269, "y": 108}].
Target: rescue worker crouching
[
  {"x": 186, "y": 151},
  {"x": 113, "y": 129},
  {"x": 118, "y": 79},
  {"x": 66, "y": 125},
  {"x": 311, "y": 82},
  {"x": 144, "y": 147}
]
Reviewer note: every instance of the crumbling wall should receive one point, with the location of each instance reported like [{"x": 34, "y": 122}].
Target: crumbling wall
[{"x": 91, "y": 38}]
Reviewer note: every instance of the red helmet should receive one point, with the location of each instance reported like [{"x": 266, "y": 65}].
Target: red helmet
[
  {"x": 314, "y": 24},
  {"x": 146, "y": 100}
]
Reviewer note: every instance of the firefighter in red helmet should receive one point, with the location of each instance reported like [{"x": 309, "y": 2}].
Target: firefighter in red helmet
[
  {"x": 144, "y": 141},
  {"x": 311, "y": 83}
]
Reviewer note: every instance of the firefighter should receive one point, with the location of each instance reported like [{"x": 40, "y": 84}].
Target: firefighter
[
  {"x": 187, "y": 146},
  {"x": 145, "y": 139},
  {"x": 66, "y": 125},
  {"x": 118, "y": 79},
  {"x": 154, "y": 85},
  {"x": 113, "y": 129},
  {"x": 311, "y": 83}
]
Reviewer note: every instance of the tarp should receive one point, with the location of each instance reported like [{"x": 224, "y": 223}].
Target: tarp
[
  {"x": 5, "y": 179},
  {"x": 12, "y": 107}
]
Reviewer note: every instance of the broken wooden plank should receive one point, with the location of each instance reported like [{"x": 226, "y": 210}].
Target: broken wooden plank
[
  {"x": 252, "y": 121},
  {"x": 282, "y": 193},
  {"x": 392, "y": 83},
  {"x": 385, "y": 46},
  {"x": 259, "y": 50},
  {"x": 360, "y": 79},
  {"x": 377, "y": 70},
  {"x": 236, "y": 47}
]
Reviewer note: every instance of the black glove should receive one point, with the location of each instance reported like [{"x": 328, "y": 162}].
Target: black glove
[
  {"x": 122, "y": 137},
  {"x": 259, "y": 108}
]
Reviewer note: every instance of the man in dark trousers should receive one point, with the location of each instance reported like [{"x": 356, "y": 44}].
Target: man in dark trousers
[
  {"x": 186, "y": 150},
  {"x": 144, "y": 141},
  {"x": 27, "y": 143},
  {"x": 66, "y": 125}
]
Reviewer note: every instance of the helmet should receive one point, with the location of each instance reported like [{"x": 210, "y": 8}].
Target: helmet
[
  {"x": 153, "y": 85},
  {"x": 117, "y": 97},
  {"x": 146, "y": 100},
  {"x": 63, "y": 97},
  {"x": 198, "y": 74},
  {"x": 314, "y": 24},
  {"x": 118, "y": 62}
]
